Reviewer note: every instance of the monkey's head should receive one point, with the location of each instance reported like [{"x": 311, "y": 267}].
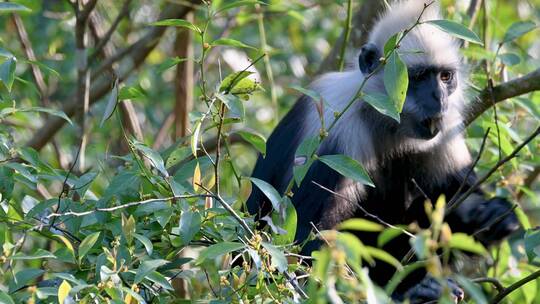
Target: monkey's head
[{"x": 434, "y": 96}]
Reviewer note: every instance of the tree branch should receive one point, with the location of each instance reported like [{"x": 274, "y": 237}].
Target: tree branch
[
  {"x": 138, "y": 53},
  {"x": 500, "y": 296},
  {"x": 503, "y": 91}
]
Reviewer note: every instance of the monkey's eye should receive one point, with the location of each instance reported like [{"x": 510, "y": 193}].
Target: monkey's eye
[{"x": 446, "y": 76}]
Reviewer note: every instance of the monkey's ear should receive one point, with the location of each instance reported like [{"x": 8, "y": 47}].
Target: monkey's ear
[{"x": 369, "y": 58}]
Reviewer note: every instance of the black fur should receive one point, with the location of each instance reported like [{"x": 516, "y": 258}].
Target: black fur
[{"x": 401, "y": 179}]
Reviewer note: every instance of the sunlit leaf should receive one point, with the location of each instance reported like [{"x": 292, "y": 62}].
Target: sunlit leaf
[
  {"x": 396, "y": 80},
  {"x": 8, "y": 111},
  {"x": 63, "y": 291},
  {"x": 360, "y": 224},
  {"x": 8, "y": 7},
  {"x": 456, "y": 29},
  {"x": 7, "y": 72},
  {"x": 465, "y": 242},
  {"x": 231, "y": 42},
  {"x": 289, "y": 224},
  {"x": 130, "y": 93},
  {"x": 517, "y": 30},
  {"x": 178, "y": 23},
  {"x": 87, "y": 244},
  {"x": 233, "y": 4}
]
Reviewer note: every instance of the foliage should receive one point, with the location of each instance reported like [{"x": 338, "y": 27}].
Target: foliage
[{"x": 141, "y": 222}]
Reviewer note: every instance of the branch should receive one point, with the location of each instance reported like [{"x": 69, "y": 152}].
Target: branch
[
  {"x": 138, "y": 53},
  {"x": 124, "y": 11},
  {"x": 501, "y": 162},
  {"x": 500, "y": 296},
  {"x": 503, "y": 91},
  {"x": 127, "y": 205}
]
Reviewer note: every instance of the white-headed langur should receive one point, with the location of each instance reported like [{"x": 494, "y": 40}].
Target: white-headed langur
[{"x": 423, "y": 155}]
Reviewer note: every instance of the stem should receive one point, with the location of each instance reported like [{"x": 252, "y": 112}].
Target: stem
[
  {"x": 508, "y": 290},
  {"x": 267, "y": 65},
  {"x": 348, "y": 27}
]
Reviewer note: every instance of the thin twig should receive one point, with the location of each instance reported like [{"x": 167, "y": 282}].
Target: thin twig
[
  {"x": 127, "y": 205},
  {"x": 471, "y": 169},
  {"x": 373, "y": 216},
  {"x": 501, "y": 162}
]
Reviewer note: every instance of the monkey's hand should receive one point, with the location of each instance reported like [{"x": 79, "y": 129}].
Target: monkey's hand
[
  {"x": 494, "y": 220},
  {"x": 430, "y": 290}
]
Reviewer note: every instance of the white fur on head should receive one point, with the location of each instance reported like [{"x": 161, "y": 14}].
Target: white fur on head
[
  {"x": 355, "y": 137},
  {"x": 437, "y": 47}
]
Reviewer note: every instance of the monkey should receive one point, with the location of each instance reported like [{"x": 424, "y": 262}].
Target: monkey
[{"x": 422, "y": 156}]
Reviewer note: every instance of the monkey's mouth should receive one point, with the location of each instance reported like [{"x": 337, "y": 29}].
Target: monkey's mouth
[{"x": 430, "y": 127}]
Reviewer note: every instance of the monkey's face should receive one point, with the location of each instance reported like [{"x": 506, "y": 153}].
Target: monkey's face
[{"x": 428, "y": 100}]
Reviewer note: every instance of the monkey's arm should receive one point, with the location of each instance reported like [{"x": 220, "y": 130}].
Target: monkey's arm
[{"x": 489, "y": 220}]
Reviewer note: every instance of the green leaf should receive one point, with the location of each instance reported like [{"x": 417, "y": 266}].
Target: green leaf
[
  {"x": 233, "y": 80},
  {"x": 234, "y": 4},
  {"x": 303, "y": 159},
  {"x": 268, "y": 190},
  {"x": 387, "y": 235},
  {"x": 130, "y": 93},
  {"x": 178, "y": 23},
  {"x": 532, "y": 244},
  {"x": 311, "y": 93},
  {"x": 360, "y": 224},
  {"x": 5, "y": 53},
  {"x": 8, "y": 111},
  {"x": 169, "y": 63},
  {"x": 128, "y": 228},
  {"x": 5, "y": 298},
  {"x": 391, "y": 43},
  {"x": 38, "y": 254},
  {"x": 146, "y": 267},
  {"x": 257, "y": 140},
  {"x": 63, "y": 291},
  {"x": 218, "y": 249},
  {"x": 159, "y": 279},
  {"x": 517, "y": 30},
  {"x": 87, "y": 244},
  {"x": 146, "y": 243},
  {"x": 462, "y": 241},
  {"x": 383, "y": 104},
  {"x": 289, "y": 224},
  {"x": 354, "y": 250},
  {"x": 455, "y": 29},
  {"x": 24, "y": 277},
  {"x": 153, "y": 157},
  {"x": 279, "y": 261},
  {"x": 383, "y": 256},
  {"x": 190, "y": 224},
  {"x": 509, "y": 59},
  {"x": 111, "y": 104},
  {"x": 396, "y": 80},
  {"x": 7, "y": 72},
  {"x": 231, "y": 42},
  {"x": 9, "y": 7},
  {"x": 347, "y": 167},
  {"x": 177, "y": 156}
]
